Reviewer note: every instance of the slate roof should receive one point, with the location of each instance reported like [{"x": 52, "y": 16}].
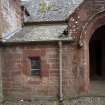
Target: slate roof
[
  {"x": 39, "y": 33},
  {"x": 50, "y": 10},
  {"x": 45, "y": 11}
]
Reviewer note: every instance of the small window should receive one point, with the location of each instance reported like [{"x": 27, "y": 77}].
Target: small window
[{"x": 35, "y": 66}]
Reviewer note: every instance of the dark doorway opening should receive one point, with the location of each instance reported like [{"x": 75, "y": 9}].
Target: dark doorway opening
[
  {"x": 96, "y": 59},
  {"x": 97, "y": 54},
  {"x": 97, "y": 62}
]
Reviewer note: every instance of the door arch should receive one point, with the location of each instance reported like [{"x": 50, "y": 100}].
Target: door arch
[
  {"x": 97, "y": 54},
  {"x": 88, "y": 31}
]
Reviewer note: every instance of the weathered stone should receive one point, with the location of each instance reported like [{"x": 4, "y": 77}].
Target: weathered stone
[
  {"x": 18, "y": 84},
  {"x": 51, "y": 10},
  {"x": 10, "y": 17}
]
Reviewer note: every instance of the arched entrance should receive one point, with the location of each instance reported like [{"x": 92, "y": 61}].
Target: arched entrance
[
  {"x": 97, "y": 61},
  {"x": 97, "y": 55},
  {"x": 93, "y": 38}
]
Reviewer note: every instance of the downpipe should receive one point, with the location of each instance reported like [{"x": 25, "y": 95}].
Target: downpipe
[{"x": 60, "y": 71}]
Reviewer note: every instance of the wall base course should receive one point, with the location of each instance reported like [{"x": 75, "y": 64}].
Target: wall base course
[{"x": 72, "y": 101}]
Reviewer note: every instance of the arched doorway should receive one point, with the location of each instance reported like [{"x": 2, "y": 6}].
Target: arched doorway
[
  {"x": 93, "y": 29},
  {"x": 97, "y": 61},
  {"x": 97, "y": 54}
]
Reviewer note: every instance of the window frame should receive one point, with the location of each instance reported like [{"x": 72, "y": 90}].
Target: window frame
[{"x": 38, "y": 73}]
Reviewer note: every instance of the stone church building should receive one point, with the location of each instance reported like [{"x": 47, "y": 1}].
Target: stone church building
[{"x": 52, "y": 49}]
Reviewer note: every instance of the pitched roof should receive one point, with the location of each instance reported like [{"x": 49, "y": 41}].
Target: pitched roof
[
  {"x": 39, "y": 33},
  {"x": 50, "y": 10}
]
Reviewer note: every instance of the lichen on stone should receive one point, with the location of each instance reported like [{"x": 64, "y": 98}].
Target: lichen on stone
[
  {"x": 42, "y": 7},
  {"x": 45, "y": 7}
]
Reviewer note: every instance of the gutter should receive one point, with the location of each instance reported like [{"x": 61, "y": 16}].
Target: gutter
[
  {"x": 37, "y": 41},
  {"x": 28, "y": 23}
]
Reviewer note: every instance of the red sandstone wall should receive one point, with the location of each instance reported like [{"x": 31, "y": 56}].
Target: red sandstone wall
[
  {"x": 85, "y": 15},
  {"x": 17, "y": 81},
  {"x": 73, "y": 72}
]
